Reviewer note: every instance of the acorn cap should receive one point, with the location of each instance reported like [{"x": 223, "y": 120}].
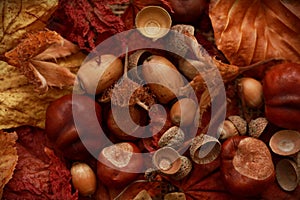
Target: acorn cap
[
  {"x": 173, "y": 137},
  {"x": 167, "y": 160},
  {"x": 153, "y": 22},
  {"x": 257, "y": 126},
  {"x": 239, "y": 123},
  {"x": 204, "y": 149},
  {"x": 285, "y": 142},
  {"x": 175, "y": 196},
  {"x": 287, "y": 174},
  {"x": 185, "y": 169},
  {"x": 227, "y": 129}
]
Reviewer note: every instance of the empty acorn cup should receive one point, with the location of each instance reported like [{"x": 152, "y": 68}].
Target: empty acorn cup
[
  {"x": 167, "y": 160},
  {"x": 153, "y": 22},
  {"x": 173, "y": 137},
  {"x": 285, "y": 142},
  {"x": 287, "y": 174},
  {"x": 204, "y": 149}
]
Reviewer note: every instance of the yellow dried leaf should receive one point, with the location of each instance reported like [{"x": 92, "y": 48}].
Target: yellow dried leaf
[
  {"x": 19, "y": 105},
  {"x": 251, "y": 31},
  {"x": 8, "y": 157},
  {"x": 21, "y": 16}
]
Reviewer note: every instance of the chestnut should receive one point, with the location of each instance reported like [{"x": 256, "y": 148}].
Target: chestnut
[
  {"x": 282, "y": 95},
  {"x": 67, "y": 136},
  {"x": 119, "y": 164},
  {"x": 247, "y": 168}
]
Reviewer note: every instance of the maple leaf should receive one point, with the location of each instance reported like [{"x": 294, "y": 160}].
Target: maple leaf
[
  {"x": 251, "y": 31},
  {"x": 36, "y": 57},
  {"x": 19, "y": 17}
]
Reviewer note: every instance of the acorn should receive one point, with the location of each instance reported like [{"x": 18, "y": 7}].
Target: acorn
[
  {"x": 250, "y": 91},
  {"x": 99, "y": 73},
  {"x": 183, "y": 112},
  {"x": 162, "y": 77},
  {"x": 204, "y": 149},
  {"x": 234, "y": 125}
]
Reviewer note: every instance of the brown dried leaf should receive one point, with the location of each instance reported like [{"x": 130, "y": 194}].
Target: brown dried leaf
[
  {"x": 20, "y": 16},
  {"x": 18, "y": 104},
  {"x": 36, "y": 57},
  {"x": 251, "y": 31},
  {"x": 8, "y": 157}
]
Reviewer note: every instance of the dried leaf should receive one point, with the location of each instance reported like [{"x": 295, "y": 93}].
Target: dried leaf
[
  {"x": 21, "y": 16},
  {"x": 251, "y": 31},
  {"x": 19, "y": 105},
  {"x": 8, "y": 157},
  {"x": 39, "y": 173},
  {"x": 36, "y": 57},
  {"x": 86, "y": 23}
]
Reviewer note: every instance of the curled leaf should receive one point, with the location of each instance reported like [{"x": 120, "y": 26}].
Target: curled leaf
[
  {"x": 36, "y": 57},
  {"x": 19, "y": 17},
  {"x": 251, "y": 31},
  {"x": 8, "y": 157}
]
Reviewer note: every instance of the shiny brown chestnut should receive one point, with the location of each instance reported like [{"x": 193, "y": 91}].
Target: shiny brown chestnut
[
  {"x": 72, "y": 138},
  {"x": 247, "y": 168},
  {"x": 119, "y": 164},
  {"x": 281, "y": 85}
]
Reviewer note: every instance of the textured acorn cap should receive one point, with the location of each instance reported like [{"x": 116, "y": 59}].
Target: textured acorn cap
[
  {"x": 285, "y": 142},
  {"x": 185, "y": 169},
  {"x": 134, "y": 61},
  {"x": 204, "y": 149},
  {"x": 167, "y": 160},
  {"x": 287, "y": 174},
  {"x": 173, "y": 137},
  {"x": 153, "y": 22},
  {"x": 257, "y": 126},
  {"x": 239, "y": 123}
]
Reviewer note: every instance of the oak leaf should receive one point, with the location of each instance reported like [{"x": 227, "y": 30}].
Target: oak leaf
[
  {"x": 20, "y": 16},
  {"x": 251, "y": 31}
]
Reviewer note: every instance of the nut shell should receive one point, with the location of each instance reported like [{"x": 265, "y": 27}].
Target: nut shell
[
  {"x": 153, "y": 22},
  {"x": 285, "y": 142},
  {"x": 287, "y": 174},
  {"x": 246, "y": 166},
  {"x": 257, "y": 126},
  {"x": 204, "y": 149}
]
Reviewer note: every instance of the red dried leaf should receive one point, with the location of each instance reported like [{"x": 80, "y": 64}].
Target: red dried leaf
[
  {"x": 39, "y": 173},
  {"x": 86, "y": 23}
]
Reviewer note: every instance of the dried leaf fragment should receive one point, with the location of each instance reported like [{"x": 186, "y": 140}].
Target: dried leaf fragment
[
  {"x": 36, "y": 57},
  {"x": 251, "y": 31},
  {"x": 20, "y": 16},
  {"x": 18, "y": 104},
  {"x": 8, "y": 157}
]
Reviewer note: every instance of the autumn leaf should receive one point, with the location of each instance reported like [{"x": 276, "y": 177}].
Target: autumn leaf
[
  {"x": 19, "y": 17},
  {"x": 36, "y": 58},
  {"x": 251, "y": 31},
  {"x": 8, "y": 157}
]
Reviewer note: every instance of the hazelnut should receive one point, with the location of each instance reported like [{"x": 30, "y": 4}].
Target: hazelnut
[
  {"x": 246, "y": 166},
  {"x": 119, "y": 164}
]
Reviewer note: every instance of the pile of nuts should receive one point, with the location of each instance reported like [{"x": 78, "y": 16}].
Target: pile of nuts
[{"x": 141, "y": 122}]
